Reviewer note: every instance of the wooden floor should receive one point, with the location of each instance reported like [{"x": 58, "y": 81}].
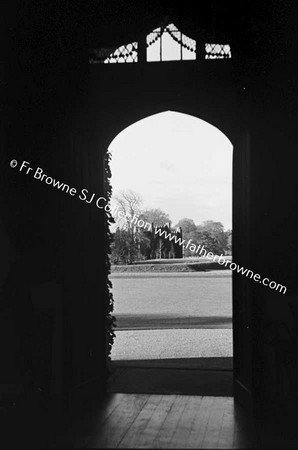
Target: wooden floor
[{"x": 167, "y": 421}]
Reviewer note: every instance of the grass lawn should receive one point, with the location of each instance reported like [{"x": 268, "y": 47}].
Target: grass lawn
[
  {"x": 180, "y": 295},
  {"x": 171, "y": 265}
]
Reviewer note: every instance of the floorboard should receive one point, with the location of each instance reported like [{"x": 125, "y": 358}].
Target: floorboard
[
  {"x": 110, "y": 434},
  {"x": 186, "y": 421},
  {"x": 198, "y": 429},
  {"x": 164, "y": 437},
  {"x": 139, "y": 434},
  {"x": 158, "y": 421}
]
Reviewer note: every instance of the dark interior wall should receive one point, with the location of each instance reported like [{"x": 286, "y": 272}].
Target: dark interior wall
[
  {"x": 53, "y": 240},
  {"x": 59, "y": 113},
  {"x": 273, "y": 239}
]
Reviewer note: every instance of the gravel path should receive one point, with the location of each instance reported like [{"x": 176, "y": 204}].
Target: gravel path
[{"x": 178, "y": 343}]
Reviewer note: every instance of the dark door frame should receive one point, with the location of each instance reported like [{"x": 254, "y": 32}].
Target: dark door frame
[{"x": 212, "y": 97}]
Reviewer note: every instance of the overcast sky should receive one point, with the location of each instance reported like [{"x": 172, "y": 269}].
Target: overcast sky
[{"x": 177, "y": 163}]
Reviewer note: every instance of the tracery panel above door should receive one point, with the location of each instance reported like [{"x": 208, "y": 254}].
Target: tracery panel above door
[{"x": 165, "y": 43}]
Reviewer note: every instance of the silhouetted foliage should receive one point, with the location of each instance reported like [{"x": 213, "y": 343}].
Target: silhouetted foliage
[{"x": 110, "y": 319}]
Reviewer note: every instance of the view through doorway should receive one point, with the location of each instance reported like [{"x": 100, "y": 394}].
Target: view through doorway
[{"x": 172, "y": 205}]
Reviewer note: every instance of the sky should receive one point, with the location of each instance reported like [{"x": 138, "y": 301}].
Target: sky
[{"x": 178, "y": 163}]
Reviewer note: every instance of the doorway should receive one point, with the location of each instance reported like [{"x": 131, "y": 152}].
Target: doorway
[{"x": 172, "y": 183}]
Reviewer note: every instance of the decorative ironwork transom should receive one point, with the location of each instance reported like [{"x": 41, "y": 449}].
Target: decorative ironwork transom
[
  {"x": 125, "y": 54},
  {"x": 169, "y": 44},
  {"x": 217, "y": 51},
  {"x": 165, "y": 43}
]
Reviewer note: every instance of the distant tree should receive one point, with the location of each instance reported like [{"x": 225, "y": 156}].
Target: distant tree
[
  {"x": 211, "y": 225},
  {"x": 187, "y": 225},
  {"x": 189, "y": 231},
  {"x": 209, "y": 242},
  {"x": 213, "y": 236},
  {"x": 144, "y": 246},
  {"x": 120, "y": 247},
  {"x": 156, "y": 216},
  {"x": 209, "y": 234},
  {"x": 129, "y": 203}
]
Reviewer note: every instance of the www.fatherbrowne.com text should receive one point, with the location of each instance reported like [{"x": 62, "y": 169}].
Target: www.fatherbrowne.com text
[{"x": 101, "y": 203}]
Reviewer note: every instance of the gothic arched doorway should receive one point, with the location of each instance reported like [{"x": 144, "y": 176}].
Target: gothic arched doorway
[
  {"x": 173, "y": 309},
  {"x": 205, "y": 88}
]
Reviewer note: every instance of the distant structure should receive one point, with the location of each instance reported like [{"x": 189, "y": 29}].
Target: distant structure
[{"x": 162, "y": 247}]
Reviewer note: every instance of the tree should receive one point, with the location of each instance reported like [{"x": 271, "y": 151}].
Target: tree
[
  {"x": 209, "y": 242},
  {"x": 155, "y": 216},
  {"x": 129, "y": 203},
  {"x": 187, "y": 225},
  {"x": 209, "y": 234},
  {"x": 189, "y": 231},
  {"x": 120, "y": 247},
  {"x": 214, "y": 236},
  {"x": 144, "y": 246}
]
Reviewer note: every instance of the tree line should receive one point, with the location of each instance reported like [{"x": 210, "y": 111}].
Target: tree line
[{"x": 131, "y": 243}]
